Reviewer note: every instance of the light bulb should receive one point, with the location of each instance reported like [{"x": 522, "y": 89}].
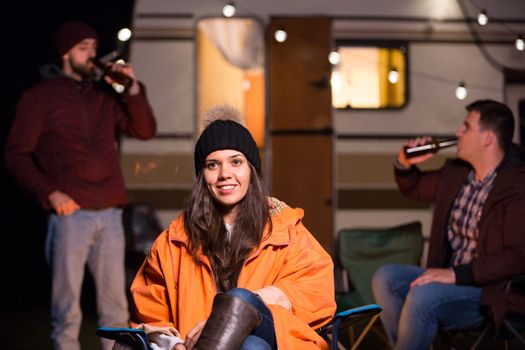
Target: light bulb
[
  {"x": 124, "y": 34},
  {"x": 393, "y": 76},
  {"x": 483, "y": 19},
  {"x": 229, "y": 9},
  {"x": 461, "y": 91},
  {"x": 334, "y": 57},
  {"x": 280, "y": 35},
  {"x": 520, "y": 44}
]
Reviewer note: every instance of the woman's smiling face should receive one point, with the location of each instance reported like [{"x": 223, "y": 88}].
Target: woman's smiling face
[{"x": 227, "y": 176}]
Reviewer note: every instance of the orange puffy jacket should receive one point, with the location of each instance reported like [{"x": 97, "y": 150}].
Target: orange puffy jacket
[{"x": 170, "y": 290}]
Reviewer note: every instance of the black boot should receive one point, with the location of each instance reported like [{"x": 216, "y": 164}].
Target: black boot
[{"x": 231, "y": 321}]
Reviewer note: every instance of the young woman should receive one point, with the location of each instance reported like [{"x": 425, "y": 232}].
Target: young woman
[{"x": 236, "y": 270}]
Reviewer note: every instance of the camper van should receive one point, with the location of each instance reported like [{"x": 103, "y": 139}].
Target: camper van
[{"x": 330, "y": 89}]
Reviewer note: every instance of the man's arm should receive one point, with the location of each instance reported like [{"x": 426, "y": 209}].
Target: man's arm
[
  {"x": 21, "y": 144},
  {"x": 139, "y": 120},
  {"x": 411, "y": 181},
  {"x": 62, "y": 203}
]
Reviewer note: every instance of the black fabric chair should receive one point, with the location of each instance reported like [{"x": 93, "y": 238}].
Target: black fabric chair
[
  {"x": 512, "y": 330},
  {"x": 141, "y": 227}
]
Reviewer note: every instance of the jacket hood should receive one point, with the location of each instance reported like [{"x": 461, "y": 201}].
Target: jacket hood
[{"x": 51, "y": 71}]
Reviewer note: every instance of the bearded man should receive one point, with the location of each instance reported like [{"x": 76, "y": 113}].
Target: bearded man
[{"x": 62, "y": 151}]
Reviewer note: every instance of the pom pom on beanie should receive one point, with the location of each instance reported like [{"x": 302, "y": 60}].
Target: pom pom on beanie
[{"x": 224, "y": 132}]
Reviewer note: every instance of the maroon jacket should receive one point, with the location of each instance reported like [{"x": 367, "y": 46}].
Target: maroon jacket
[
  {"x": 501, "y": 245},
  {"x": 64, "y": 138}
]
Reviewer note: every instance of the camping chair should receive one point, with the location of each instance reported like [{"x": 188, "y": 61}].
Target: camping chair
[
  {"x": 511, "y": 330},
  {"x": 141, "y": 228},
  {"x": 361, "y": 251},
  {"x": 136, "y": 339}
]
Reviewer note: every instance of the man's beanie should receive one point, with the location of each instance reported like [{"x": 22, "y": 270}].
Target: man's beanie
[
  {"x": 71, "y": 33},
  {"x": 226, "y": 134}
]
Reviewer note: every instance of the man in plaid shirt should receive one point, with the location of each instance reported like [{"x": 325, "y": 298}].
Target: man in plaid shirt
[{"x": 477, "y": 240}]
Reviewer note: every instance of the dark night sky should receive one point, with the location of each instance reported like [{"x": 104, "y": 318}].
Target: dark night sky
[{"x": 27, "y": 28}]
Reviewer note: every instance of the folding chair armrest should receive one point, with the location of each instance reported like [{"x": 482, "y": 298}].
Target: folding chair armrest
[
  {"x": 348, "y": 318},
  {"x": 131, "y": 337}
]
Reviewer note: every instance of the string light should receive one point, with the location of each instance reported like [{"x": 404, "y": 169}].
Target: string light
[
  {"x": 280, "y": 35},
  {"x": 124, "y": 34},
  {"x": 461, "y": 91},
  {"x": 483, "y": 19},
  {"x": 520, "y": 44},
  {"x": 393, "y": 75},
  {"x": 334, "y": 57},
  {"x": 229, "y": 10}
]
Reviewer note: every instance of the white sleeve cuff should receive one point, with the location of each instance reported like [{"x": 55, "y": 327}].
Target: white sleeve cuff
[
  {"x": 160, "y": 341},
  {"x": 161, "y": 338},
  {"x": 272, "y": 295}
]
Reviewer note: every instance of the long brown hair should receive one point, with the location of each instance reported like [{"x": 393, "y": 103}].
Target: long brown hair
[{"x": 204, "y": 224}]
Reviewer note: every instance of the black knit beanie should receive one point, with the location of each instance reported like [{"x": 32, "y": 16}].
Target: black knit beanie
[{"x": 226, "y": 134}]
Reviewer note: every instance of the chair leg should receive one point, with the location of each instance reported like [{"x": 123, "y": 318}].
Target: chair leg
[
  {"x": 364, "y": 332},
  {"x": 514, "y": 331},
  {"x": 339, "y": 345},
  {"x": 478, "y": 341},
  {"x": 380, "y": 333},
  {"x": 351, "y": 334}
]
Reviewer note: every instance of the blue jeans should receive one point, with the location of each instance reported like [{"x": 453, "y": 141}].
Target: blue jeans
[
  {"x": 95, "y": 238},
  {"x": 263, "y": 337},
  {"x": 411, "y": 317}
]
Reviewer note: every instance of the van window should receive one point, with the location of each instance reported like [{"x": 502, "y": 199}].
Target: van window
[
  {"x": 370, "y": 76},
  {"x": 230, "y": 69}
]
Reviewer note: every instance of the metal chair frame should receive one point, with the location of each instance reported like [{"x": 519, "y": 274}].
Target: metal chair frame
[{"x": 136, "y": 339}]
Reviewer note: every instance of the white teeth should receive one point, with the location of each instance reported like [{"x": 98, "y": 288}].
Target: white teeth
[{"x": 227, "y": 187}]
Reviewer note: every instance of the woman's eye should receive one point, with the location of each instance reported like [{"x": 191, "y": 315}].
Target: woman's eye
[
  {"x": 237, "y": 162},
  {"x": 211, "y": 166}
]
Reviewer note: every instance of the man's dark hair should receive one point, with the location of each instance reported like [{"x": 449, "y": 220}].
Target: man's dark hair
[{"x": 497, "y": 117}]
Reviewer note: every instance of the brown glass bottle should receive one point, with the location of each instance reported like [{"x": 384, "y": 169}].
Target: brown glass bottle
[
  {"x": 117, "y": 77},
  {"x": 431, "y": 147}
]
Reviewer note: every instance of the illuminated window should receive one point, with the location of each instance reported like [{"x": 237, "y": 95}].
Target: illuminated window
[{"x": 370, "y": 76}]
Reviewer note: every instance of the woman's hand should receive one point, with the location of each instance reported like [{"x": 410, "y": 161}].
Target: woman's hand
[{"x": 192, "y": 336}]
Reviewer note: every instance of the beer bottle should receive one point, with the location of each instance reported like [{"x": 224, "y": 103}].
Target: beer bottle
[
  {"x": 433, "y": 146},
  {"x": 118, "y": 77}
]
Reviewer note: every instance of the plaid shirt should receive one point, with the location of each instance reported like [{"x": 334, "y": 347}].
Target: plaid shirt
[{"x": 463, "y": 230}]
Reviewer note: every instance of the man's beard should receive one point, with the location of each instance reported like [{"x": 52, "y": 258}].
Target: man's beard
[{"x": 85, "y": 71}]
